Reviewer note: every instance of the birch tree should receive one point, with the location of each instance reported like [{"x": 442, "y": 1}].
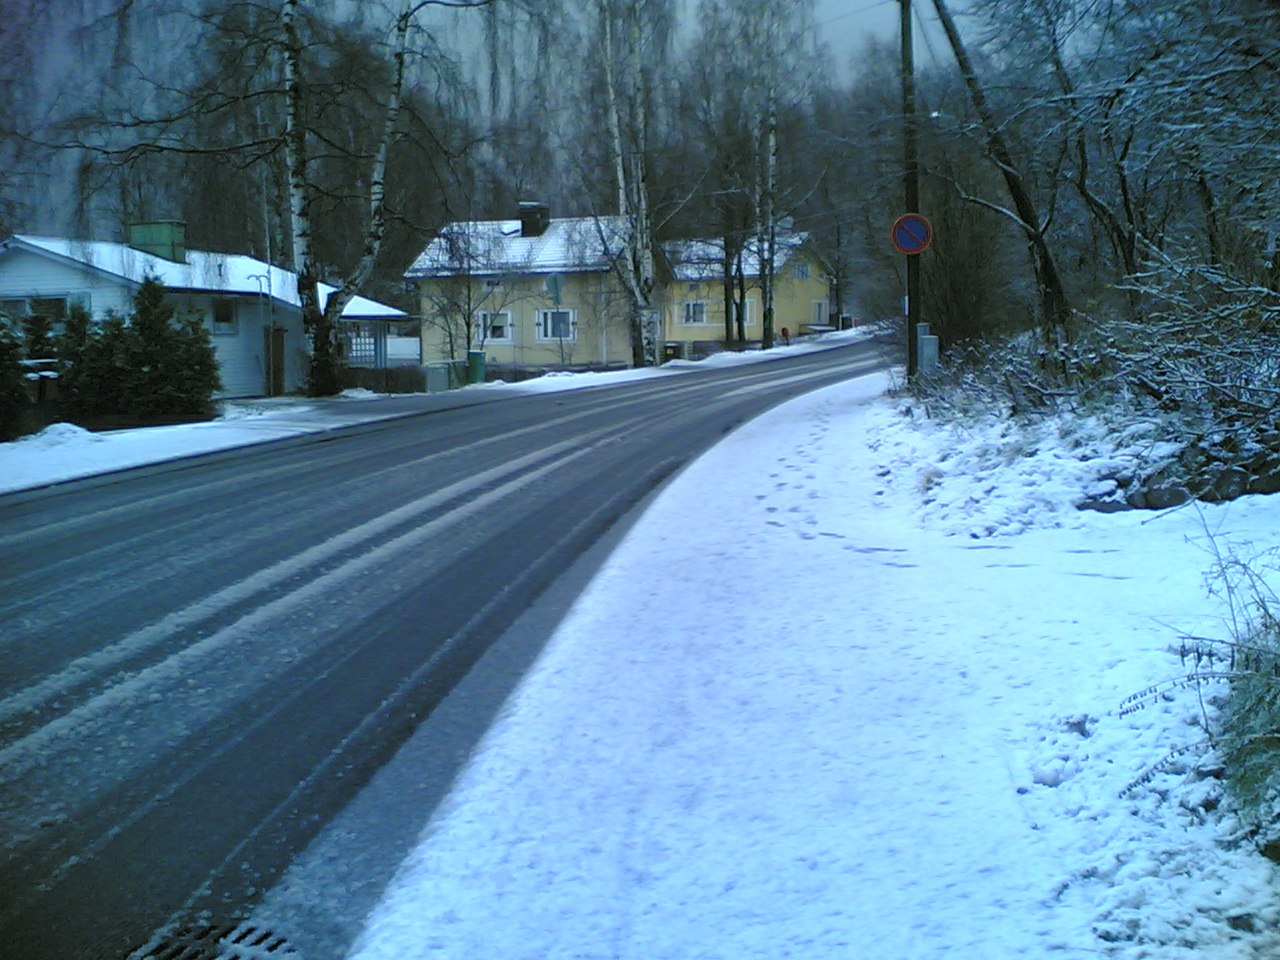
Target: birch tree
[
  {"x": 321, "y": 319},
  {"x": 297, "y": 112},
  {"x": 634, "y": 37}
]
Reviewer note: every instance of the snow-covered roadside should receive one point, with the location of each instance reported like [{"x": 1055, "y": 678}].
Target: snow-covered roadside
[
  {"x": 66, "y": 452},
  {"x": 851, "y": 688}
]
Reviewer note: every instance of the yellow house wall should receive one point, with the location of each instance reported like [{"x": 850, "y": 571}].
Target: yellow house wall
[
  {"x": 793, "y": 300},
  {"x": 600, "y": 309}
]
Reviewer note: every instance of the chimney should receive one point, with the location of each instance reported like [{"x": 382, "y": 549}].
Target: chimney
[
  {"x": 534, "y": 218},
  {"x": 166, "y": 239}
]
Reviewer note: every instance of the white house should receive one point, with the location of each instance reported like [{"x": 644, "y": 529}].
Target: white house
[{"x": 251, "y": 308}]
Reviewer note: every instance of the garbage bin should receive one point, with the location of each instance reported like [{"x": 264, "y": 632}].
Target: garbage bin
[
  {"x": 672, "y": 351},
  {"x": 475, "y": 366}
]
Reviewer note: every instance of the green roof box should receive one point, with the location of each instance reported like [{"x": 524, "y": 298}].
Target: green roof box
[{"x": 162, "y": 238}]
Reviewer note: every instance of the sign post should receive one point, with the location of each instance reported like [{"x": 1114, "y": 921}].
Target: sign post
[{"x": 911, "y": 234}]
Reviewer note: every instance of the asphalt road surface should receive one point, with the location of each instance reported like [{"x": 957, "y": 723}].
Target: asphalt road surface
[{"x": 202, "y": 663}]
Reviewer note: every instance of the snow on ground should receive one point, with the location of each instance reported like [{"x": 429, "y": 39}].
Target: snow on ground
[
  {"x": 850, "y": 688},
  {"x": 805, "y": 711},
  {"x": 65, "y": 452}
]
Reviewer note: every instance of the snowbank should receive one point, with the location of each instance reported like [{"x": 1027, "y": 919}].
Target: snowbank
[{"x": 868, "y": 706}]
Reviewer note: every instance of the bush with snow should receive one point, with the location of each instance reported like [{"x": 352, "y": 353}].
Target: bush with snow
[{"x": 1172, "y": 408}]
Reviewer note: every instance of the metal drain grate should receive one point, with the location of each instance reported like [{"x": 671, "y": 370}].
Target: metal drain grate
[{"x": 220, "y": 942}]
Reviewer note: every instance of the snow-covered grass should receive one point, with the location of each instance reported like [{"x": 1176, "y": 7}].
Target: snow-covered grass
[
  {"x": 863, "y": 701},
  {"x": 851, "y": 687}
]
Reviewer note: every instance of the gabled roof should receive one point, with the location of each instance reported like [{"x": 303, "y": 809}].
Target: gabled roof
[
  {"x": 225, "y": 273},
  {"x": 489, "y": 247},
  {"x": 694, "y": 260}
]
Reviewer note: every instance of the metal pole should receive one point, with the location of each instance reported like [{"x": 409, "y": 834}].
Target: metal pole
[{"x": 911, "y": 182}]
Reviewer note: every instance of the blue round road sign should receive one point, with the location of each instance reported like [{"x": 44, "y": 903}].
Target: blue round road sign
[{"x": 911, "y": 233}]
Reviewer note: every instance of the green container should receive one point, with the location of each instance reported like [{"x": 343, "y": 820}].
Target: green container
[{"x": 475, "y": 366}]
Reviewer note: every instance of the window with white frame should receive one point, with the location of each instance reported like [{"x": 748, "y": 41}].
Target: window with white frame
[
  {"x": 695, "y": 311},
  {"x": 819, "y": 313},
  {"x": 748, "y": 311},
  {"x": 800, "y": 270},
  {"x": 53, "y": 307},
  {"x": 493, "y": 326},
  {"x": 557, "y": 324},
  {"x": 224, "y": 317}
]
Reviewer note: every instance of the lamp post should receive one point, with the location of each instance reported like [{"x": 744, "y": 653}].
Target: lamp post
[{"x": 269, "y": 327}]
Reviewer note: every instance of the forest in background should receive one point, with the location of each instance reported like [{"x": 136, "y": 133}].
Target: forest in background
[{"x": 1142, "y": 134}]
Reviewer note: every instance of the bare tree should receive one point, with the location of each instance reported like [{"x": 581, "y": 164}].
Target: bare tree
[
  {"x": 282, "y": 120},
  {"x": 1054, "y": 306},
  {"x": 634, "y": 38},
  {"x": 321, "y": 319}
]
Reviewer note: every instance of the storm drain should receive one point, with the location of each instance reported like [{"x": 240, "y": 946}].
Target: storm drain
[{"x": 219, "y": 942}]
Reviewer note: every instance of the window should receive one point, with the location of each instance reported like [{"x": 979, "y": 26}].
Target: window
[
  {"x": 493, "y": 326},
  {"x": 819, "y": 313},
  {"x": 53, "y": 308},
  {"x": 800, "y": 270},
  {"x": 748, "y": 311},
  {"x": 557, "y": 325},
  {"x": 224, "y": 318},
  {"x": 695, "y": 311},
  {"x": 493, "y": 283}
]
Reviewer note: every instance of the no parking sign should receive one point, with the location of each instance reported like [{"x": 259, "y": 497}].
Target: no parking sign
[{"x": 911, "y": 234}]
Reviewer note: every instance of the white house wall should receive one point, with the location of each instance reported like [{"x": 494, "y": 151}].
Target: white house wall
[
  {"x": 241, "y": 356},
  {"x": 24, "y": 274}
]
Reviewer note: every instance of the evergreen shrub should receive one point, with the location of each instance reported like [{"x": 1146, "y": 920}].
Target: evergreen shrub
[
  {"x": 15, "y": 401},
  {"x": 151, "y": 364}
]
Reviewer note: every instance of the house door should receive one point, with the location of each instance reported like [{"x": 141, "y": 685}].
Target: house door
[{"x": 273, "y": 348}]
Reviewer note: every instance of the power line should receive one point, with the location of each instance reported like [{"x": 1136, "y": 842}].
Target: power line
[{"x": 856, "y": 13}]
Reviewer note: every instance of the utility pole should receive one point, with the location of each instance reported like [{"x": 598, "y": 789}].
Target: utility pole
[{"x": 911, "y": 181}]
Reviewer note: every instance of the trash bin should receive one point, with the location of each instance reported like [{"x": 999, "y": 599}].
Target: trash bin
[
  {"x": 672, "y": 351},
  {"x": 475, "y": 366}
]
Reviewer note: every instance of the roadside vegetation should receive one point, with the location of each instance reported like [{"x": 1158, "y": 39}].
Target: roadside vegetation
[
  {"x": 1150, "y": 285},
  {"x": 148, "y": 366}
]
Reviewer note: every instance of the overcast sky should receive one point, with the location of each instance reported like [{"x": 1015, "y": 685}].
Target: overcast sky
[
  {"x": 854, "y": 19},
  {"x": 845, "y": 25}
]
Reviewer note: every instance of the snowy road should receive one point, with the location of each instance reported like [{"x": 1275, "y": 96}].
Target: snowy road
[{"x": 202, "y": 664}]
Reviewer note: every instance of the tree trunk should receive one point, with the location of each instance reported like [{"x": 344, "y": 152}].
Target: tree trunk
[
  {"x": 767, "y": 228},
  {"x": 628, "y": 147},
  {"x": 323, "y": 322},
  {"x": 323, "y": 378},
  {"x": 726, "y": 281},
  {"x": 1054, "y": 306}
]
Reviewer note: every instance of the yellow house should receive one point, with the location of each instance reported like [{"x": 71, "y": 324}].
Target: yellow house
[
  {"x": 695, "y": 300},
  {"x": 530, "y": 292}
]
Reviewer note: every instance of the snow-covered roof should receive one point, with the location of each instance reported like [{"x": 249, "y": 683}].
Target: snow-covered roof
[
  {"x": 702, "y": 259},
  {"x": 226, "y": 273},
  {"x": 480, "y": 247}
]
